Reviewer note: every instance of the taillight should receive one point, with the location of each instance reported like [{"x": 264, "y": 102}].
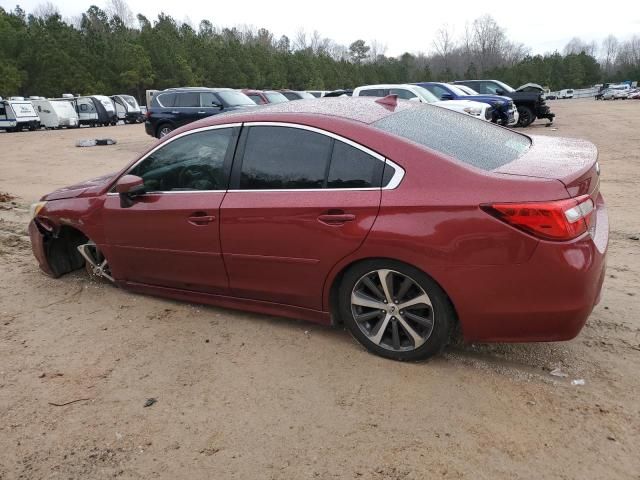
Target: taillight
[
  {"x": 147, "y": 114},
  {"x": 555, "y": 220}
]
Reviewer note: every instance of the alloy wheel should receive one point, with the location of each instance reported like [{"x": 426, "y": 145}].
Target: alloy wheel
[
  {"x": 164, "y": 131},
  {"x": 97, "y": 263},
  {"x": 392, "y": 310}
]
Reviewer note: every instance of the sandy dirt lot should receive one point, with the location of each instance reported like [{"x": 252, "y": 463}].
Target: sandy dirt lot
[{"x": 244, "y": 396}]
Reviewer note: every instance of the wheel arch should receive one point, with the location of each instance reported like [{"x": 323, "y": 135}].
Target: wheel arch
[
  {"x": 61, "y": 248},
  {"x": 332, "y": 285}
]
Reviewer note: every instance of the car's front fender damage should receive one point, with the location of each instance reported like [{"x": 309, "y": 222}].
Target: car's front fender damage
[{"x": 56, "y": 247}]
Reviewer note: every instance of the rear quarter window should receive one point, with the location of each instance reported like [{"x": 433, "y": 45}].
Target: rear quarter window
[
  {"x": 164, "y": 100},
  {"x": 466, "y": 139}
]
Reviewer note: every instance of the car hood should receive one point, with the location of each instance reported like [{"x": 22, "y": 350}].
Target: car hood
[
  {"x": 489, "y": 98},
  {"x": 534, "y": 85},
  {"x": 87, "y": 188}
]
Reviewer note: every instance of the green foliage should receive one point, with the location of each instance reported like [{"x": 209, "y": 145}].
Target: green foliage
[{"x": 47, "y": 56}]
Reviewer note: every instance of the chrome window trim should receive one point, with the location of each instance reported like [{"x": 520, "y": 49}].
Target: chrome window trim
[
  {"x": 163, "y": 144},
  {"x": 393, "y": 183}
]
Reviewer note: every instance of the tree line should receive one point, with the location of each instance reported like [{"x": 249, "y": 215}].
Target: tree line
[{"x": 112, "y": 51}]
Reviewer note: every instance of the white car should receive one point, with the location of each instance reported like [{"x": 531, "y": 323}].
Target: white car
[
  {"x": 419, "y": 94},
  {"x": 620, "y": 94}
]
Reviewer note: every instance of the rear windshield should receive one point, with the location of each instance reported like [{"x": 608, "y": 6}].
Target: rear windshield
[{"x": 467, "y": 139}]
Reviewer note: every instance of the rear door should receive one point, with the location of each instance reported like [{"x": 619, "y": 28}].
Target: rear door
[
  {"x": 170, "y": 236},
  {"x": 188, "y": 106},
  {"x": 300, "y": 200}
]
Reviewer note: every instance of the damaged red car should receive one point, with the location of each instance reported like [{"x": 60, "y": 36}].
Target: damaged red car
[{"x": 401, "y": 221}]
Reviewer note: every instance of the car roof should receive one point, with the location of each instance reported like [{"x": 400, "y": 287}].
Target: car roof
[
  {"x": 359, "y": 109},
  {"x": 387, "y": 85}
]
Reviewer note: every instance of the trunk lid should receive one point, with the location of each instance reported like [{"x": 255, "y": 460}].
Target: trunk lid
[{"x": 573, "y": 162}]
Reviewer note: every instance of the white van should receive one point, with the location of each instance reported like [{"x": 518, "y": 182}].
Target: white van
[
  {"x": 566, "y": 93},
  {"x": 127, "y": 108},
  {"x": 18, "y": 114},
  {"x": 56, "y": 113}
]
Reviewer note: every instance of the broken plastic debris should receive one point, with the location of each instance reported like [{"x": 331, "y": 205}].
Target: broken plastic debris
[
  {"x": 150, "y": 401},
  {"x": 577, "y": 381},
  {"x": 556, "y": 372},
  {"x": 94, "y": 142}
]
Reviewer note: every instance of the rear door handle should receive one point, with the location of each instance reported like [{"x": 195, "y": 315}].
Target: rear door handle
[
  {"x": 201, "y": 218},
  {"x": 175, "y": 112},
  {"x": 336, "y": 218},
  {"x": 201, "y": 112}
]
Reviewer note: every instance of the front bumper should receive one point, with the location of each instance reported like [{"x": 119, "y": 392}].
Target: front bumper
[
  {"x": 38, "y": 247},
  {"x": 548, "y": 298}
]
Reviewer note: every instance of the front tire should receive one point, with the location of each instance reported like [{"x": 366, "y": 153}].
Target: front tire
[
  {"x": 526, "y": 116},
  {"x": 395, "y": 310}
]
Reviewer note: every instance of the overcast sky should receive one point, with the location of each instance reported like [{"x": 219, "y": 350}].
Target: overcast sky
[{"x": 401, "y": 26}]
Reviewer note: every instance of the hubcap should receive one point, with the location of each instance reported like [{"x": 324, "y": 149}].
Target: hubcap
[
  {"x": 392, "y": 310},
  {"x": 164, "y": 131}
]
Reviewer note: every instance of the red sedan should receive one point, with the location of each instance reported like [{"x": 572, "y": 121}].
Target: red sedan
[{"x": 401, "y": 221}]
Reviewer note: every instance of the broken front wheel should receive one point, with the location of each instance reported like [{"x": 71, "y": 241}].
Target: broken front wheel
[{"x": 96, "y": 262}]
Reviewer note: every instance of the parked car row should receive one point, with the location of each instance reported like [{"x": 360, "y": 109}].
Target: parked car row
[
  {"x": 618, "y": 92},
  {"x": 497, "y": 102},
  {"x": 69, "y": 111}
]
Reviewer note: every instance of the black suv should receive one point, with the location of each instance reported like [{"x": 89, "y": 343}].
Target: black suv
[
  {"x": 175, "y": 107},
  {"x": 528, "y": 98}
]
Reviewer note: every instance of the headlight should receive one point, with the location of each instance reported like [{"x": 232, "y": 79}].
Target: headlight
[
  {"x": 472, "y": 110},
  {"x": 35, "y": 208}
]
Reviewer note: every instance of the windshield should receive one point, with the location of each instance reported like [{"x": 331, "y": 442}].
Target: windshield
[
  {"x": 467, "y": 90},
  {"x": 131, "y": 101},
  {"x": 234, "y": 99},
  {"x": 305, "y": 95},
  {"x": 462, "y": 137},
  {"x": 426, "y": 95},
  {"x": 457, "y": 90},
  {"x": 504, "y": 86},
  {"x": 276, "y": 97}
]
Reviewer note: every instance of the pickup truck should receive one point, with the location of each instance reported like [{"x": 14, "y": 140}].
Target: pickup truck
[{"x": 529, "y": 98}]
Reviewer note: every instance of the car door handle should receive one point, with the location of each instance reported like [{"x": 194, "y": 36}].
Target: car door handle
[
  {"x": 175, "y": 112},
  {"x": 201, "y": 112},
  {"x": 201, "y": 219},
  {"x": 336, "y": 218}
]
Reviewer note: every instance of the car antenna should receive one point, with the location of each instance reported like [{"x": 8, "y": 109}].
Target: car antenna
[{"x": 389, "y": 100}]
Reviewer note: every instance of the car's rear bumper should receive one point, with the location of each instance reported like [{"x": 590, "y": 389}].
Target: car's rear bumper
[
  {"x": 149, "y": 128},
  {"x": 548, "y": 298}
]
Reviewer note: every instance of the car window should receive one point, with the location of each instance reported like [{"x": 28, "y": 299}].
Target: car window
[
  {"x": 165, "y": 99},
  {"x": 3, "y": 111},
  {"x": 352, "y": 168},
  {"x": 284, "y": 158},
  {"x": 438, "y": 91},
  {"x": 233, "y": 99},
  {"x": 291, "y": 95},
  {"x": 402, "y": 93},
  {"x": 489, "y": 88},
  {"x": 209, "y": 100},
  {"x": 257, "y": 99},
  {"x": 192, "y": 162},
  {"x": 372, "y": 92},
  {"x": 188, "y": 99}
]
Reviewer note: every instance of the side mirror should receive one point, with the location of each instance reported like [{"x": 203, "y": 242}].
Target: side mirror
[
  {"x": 129, "y": 187},
  {"x": 499, "y": 92},
  {"x": 219, "y": 106},
  {"x": 446, "y": 96}
]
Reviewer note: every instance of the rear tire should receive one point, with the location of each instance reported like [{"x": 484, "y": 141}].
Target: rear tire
[
  {"x": 410, "y": 319},
  {"x": 526, "y": 116}
]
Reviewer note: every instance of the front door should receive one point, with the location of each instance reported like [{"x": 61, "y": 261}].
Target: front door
[
  {"x": 300, "y": 200},
  {"x": 170, "y": 236}
]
